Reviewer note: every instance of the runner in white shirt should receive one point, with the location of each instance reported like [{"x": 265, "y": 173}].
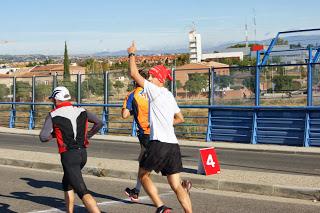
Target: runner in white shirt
[{"x": 163, "y": 153}]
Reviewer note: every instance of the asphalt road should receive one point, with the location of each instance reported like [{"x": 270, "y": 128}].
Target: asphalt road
[
  {"x": 31, "y": 190},
  {"x": 229, "y": 159}
]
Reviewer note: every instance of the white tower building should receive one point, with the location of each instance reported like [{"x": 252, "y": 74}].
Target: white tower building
[{"x": 195, "y": 47}]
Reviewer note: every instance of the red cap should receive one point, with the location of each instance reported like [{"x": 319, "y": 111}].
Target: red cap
[{"x": 161, "y": 73}]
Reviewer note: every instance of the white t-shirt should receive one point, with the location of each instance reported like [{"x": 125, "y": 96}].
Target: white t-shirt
[{"x": 162, "y": 107}]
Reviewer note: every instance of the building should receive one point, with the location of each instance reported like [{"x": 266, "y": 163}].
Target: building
[
  {"x": 7, "y": 70},
  {"x": 213, "y": 56},
  {"x": 182, "y": 72},
  {"x": 58, "y": 69},
  {"x": 195, "y": 47},
  {"x": 43, "y": 73},
  {"x": 152, "y": 59}
]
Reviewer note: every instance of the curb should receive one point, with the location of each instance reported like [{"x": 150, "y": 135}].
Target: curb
[
  {"x": 263, "y": 148},
  {"x": 268, "y": 190}
]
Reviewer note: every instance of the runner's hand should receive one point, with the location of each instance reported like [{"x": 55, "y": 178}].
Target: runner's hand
[{"x": 132, "y": 48}]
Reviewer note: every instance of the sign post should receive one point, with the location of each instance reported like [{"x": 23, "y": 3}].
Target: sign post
[{"x": 208, "y": 162}]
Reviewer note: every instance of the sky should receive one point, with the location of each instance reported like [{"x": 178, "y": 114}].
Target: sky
[{"x": 42, "y": 26}]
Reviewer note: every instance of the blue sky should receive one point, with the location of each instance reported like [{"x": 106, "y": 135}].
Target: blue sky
[{"x": 42, "y": 26}]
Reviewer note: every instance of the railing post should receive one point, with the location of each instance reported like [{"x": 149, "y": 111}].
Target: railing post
[
  {"x": 134, "y": 128},
  {"x": 306, "y": 141},
  {"x": 32, "y": 110},
  {"x": 78, "y": 88},
  {"x": 257, "y": 80},
  {"x": 211, "y": 86},
  {"x": 54, "y": 84},
  {"x": 209, "y": 132},
  {"x": 211, "y": 102},
  {"x": 309, "y": 84},
  {"x": 173, "y": 82},
  {"x": 105, "y": 111},
  {"x": 257, "y": 99},
  {"x": 12, "y": 118},
  {"x": 254, "y": 128}
]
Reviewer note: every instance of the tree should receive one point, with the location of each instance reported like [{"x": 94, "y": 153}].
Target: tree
[
  {"x": 41, "y": 91},
  {"x": 283, "y": 82},
  {"x": 178, "y": 84},
  {"x": 66, "y": 64},
  {"x": 281, "y": 41},
  {"x": 247, "y": 61},
  {"x": 96, "y": 67},
  {"x": 182, "y": 59},
  {"x": 223, "y": 81},
  {"x": 72, "y": 87},
  {"x": 250, "y": 83},
  {"x": 118, "y": 85},
  {"x": 130, "y": 87},
  {"x": 196, "y": 83},
  {"x": 48, "y": 61},
  {"x": 4, "y": 92},
  {"x": 32, "y": 64},
  {"x": 95, "y": 85},
  {"x": 23, "y": 90}
]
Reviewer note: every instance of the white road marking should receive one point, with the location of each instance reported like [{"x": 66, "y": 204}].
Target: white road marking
[{"x": 107, "y": 203}]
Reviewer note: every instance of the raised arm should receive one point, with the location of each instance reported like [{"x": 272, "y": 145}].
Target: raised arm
[{"x": 133, "y": 69}]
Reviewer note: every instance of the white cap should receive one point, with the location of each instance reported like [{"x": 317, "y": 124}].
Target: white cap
[{"x": 60, "y": 93}]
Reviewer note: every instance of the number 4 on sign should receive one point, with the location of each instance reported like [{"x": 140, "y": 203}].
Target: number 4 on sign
[{"x": 208, "y": 162}]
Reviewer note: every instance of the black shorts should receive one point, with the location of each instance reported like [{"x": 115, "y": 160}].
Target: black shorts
[
  {"x": 144, "y": 143},
  {"x": 164, "y": 157},
  {"x": 72, "y": 162},
  {"x": 144, "y": 140}
]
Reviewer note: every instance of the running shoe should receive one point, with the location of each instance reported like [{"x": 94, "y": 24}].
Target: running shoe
[
  {"x": 163, "y": 209},
  {"x": 133, "y": 194}
]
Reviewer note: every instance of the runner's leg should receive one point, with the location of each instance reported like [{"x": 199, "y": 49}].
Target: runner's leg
[
  {"x": 183, "y": 197},
  {"x": 69, "y": 199},
  {"x": 149, "y": 187}
]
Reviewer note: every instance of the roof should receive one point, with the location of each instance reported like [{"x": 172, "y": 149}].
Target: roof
[
  {"x": 57, "y": 68},
  {"x": 202, "y": 65}
]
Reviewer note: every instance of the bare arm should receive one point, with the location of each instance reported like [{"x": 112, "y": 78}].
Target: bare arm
[
  {"x": 133, "y": 69},
  {"x": 125, "y": 113},
  {"x": 178, "y": 118}
]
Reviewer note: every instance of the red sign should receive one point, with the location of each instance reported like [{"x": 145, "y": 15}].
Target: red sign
[
  {"x": 256, "y": 47},
  {"x": 209, "y": 161}
]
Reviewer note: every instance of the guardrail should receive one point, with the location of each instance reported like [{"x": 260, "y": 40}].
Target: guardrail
[{"x": 293, "y": 126}]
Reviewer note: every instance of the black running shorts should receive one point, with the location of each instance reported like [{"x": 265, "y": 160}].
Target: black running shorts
[
  {"x": 162, "y": 157},
  {"x": 72, "y": 162}
]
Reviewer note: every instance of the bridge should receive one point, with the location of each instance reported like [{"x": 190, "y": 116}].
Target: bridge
[{"x": 239, "y": 113}]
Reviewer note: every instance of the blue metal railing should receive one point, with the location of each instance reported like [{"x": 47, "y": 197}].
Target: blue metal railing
[{"x": 293, "y": 126}]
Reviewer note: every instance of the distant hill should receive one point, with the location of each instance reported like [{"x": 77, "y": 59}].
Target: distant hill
[
  {"x": 141, "y": 52},
  {"x": 304, "y": 40}
]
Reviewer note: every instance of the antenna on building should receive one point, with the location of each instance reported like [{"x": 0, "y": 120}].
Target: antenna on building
[
  {"x": 193, "y": 27},
  {"x": 254, "y": 25},
  {"x": 246, "y": 31}
]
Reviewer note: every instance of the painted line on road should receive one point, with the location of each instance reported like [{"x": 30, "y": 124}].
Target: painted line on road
[{"x": 107, "y": 203}]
